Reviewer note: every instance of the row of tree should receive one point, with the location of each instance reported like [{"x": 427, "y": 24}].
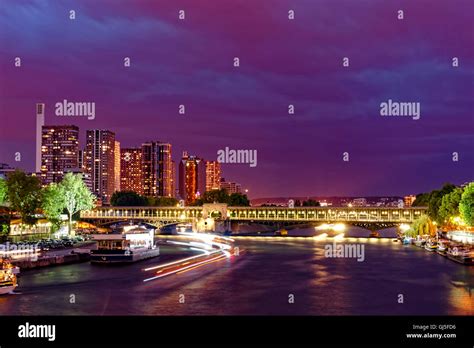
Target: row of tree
[
  {"x": 23, "y": 194},
  {"x": 449, "y": 202},
  {"x": 221, "y": 196},
  {"x": 133, "y": 199}
]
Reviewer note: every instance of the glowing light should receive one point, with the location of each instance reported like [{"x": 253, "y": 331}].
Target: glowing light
[
  {"x": 321, "y": 236},
  {"x": 339, "y": 236},
  {"x": 339, "y": 228},
  {"x": 404, "y": 227}
]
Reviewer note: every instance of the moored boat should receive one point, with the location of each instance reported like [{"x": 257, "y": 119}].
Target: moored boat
[
  {"x": 442, "y": 248},
  {"x": 129, "y": 244},
  {"x": 461, "y": 255},
  {"x": 8, "y": 281},
  {"x": 431, "y": 246}
]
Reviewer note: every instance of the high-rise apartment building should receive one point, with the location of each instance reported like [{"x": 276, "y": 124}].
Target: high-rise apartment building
[
  {"x": 231, "y": 187},
  {"x": 99, "y": 162},
  {"x": 59, "y": 152},
  {"x": 192, "y": 178},
  {"x": 117, "y": 166},
  {"x": 131, "y": 170},
  {"x": 213, "y": 175},
  {"x": 157, "y": 169},
  {"x": 39, "y": 134}
]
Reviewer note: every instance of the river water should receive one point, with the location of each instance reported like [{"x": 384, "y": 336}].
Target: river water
[{"x": 275, "y": 276}]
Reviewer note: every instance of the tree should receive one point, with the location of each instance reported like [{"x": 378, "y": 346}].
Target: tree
[
  {"x": 53, "y": 204},
  {"x": 449, "y": 206},
  {"x": 24, "y": 194},
  {"x": 3, "y": 191},
  {"x": 127, "y": 199},
  {"x": 466, "y": 204},
  {"x": 422, "y": 200},
  {"x": 311, "y": 203},
  {"x": 76, "y": 195},
  {"x": 238, "y": 200},
  {"x": 434, "y": 202},
  {"x": 162, "y": 201},
  {"x": 422, "y": 226}
]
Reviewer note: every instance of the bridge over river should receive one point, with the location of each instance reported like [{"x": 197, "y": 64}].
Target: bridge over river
[{"x": 160, "y": 216}]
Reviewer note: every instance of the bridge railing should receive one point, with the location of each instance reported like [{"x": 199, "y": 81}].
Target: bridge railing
[{"x": 349, "y": 214}]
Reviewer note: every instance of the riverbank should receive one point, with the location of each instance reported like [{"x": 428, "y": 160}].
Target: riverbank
[
  {"x": 81, "y": 253},
  {"x": 48, "y": 261}
]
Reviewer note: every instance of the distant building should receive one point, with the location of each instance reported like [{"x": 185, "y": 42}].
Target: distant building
[
  {"x": 86, "y": 178},
  {"x": 59, "y": 152},
  {"x": 408, "y": 200},
  {"x": 80, "y": 159},
  {"x": 5, "y": 169},
  {"x": 192, "y": 178},
  {"x": 131, "y": 170},
  {"x": 230, "y": 187},
  {"x": 157, "y": 169},
  {"x": 213, "y": 175},
  {"x": 173, "y": 179},
  {"x": 99, "y": 162},
  {"x": 359, "y": 202},
  {"x": 117, "y": 166},
  {"x": 39, "y": 135}
]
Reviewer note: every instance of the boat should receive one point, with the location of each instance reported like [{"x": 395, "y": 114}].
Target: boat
[
  {"x": 281, "y": 232},
  {"x": 8, "y": 280},
  {"x": 374, "y": 234},
  {"x": 420, "y": 242},
  {"x": 126, "y": 244},
  {"x": 407, "y": 241},
  {"x": 442, "y": 249},
  {"x": 431, "y": 246},
  {"x": 461, "y": 255}
]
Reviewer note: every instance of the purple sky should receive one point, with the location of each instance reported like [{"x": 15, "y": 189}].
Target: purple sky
[{"x": 283, "y": 62}]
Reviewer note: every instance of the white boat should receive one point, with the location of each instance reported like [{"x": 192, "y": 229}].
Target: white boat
[
  {"x": 8, "y": 281},
  {"x": 130, "y": 244}
]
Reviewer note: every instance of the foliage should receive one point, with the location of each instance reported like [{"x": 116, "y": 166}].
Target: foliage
[
  {"x": 311, "y": 203},
  {"x": 162, "y": 201},
  {"x": 53, "y": 204},
  {"x": 76, "y": 195},
  {"x": 128, "y": 199},
  {"x": 449, "y": 206},
  {"x": 221, "y": 196},
  {"x": 24, "y": 194},
  {"x": 3, "y": 191},
  {"x": 422, "y": 226},
  {"x": 466, "y": 204},
  {"x": 422, "y": 200}
]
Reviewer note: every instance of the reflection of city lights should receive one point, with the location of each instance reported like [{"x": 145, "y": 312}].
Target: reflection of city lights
[
  {"x": 321, "y": 236},
  {"x": 339, "y": 227},
  {"x": 339, "y": 236},
  {"x": 335, "y": 227},
  {"x": 404, "y": 227}
]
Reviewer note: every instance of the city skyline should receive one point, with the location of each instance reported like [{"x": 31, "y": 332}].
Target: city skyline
[{"x": 190, "y": 63}]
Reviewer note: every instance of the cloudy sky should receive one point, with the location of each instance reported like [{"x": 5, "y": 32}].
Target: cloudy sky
[{"x": 282, "y": 62}]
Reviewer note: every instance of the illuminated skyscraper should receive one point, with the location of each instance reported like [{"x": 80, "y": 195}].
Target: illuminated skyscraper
[
  {"x": 117, "y": 166},
  {"x": 213, "y": 175},
  {"x": 99, "y": 162},
  {"x": 192, "y": 178},
  {"x": 157, "y": 169},
  {"x": 231, "y": 187},
  {"x": 59, "y": 152},
  {"x": 131, "y": 170},
  {"x": 39, "y": 134}
]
